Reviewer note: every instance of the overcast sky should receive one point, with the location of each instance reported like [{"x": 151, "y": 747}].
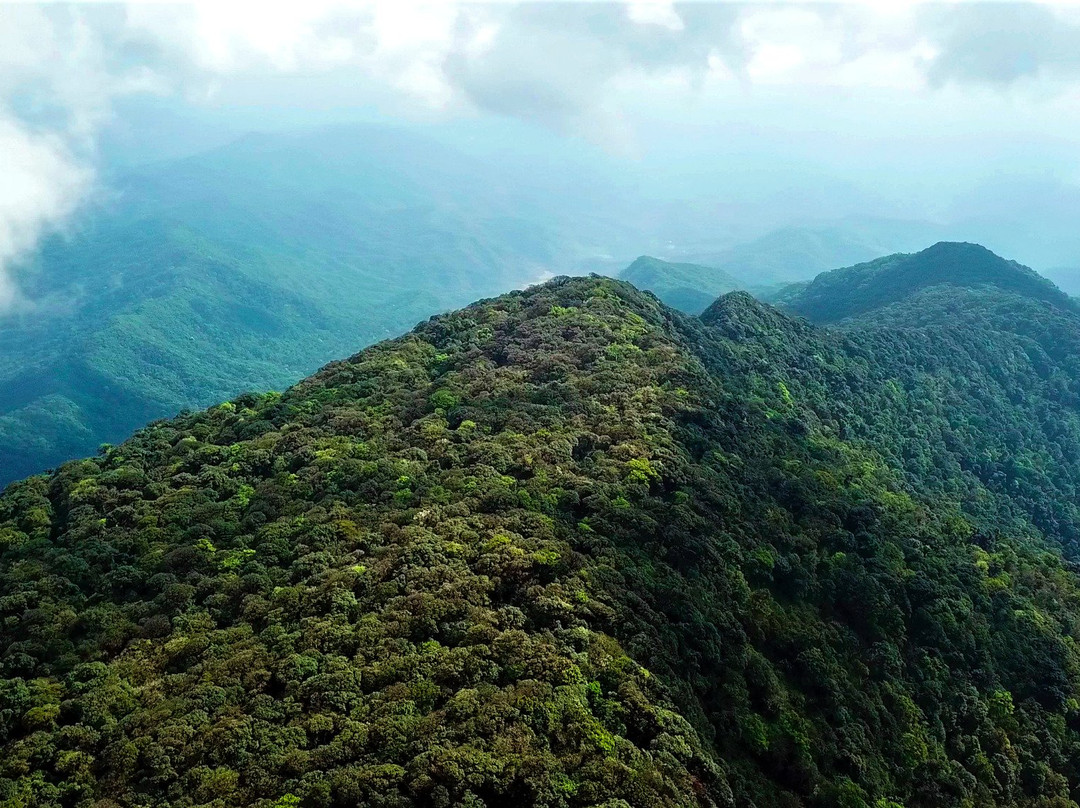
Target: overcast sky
[{"x": 913, "y": 111}]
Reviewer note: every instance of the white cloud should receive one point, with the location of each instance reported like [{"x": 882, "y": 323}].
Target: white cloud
[
  {"x": 655, "y": 12},
  {"x": 43, "y": 181},
  {"x": 54, "y": 94},
  {"x": 62, "y": 67},
  {"x": 586, "y": 68}
]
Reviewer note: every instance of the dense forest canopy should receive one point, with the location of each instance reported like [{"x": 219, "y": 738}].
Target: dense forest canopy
[{"x": 570, "y": 547}]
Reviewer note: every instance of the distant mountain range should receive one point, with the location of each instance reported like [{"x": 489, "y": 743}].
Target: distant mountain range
[
  {"x": 688, "y": 287},
  {"x": 798, "y": 253},
  {"x": 249, "y": 266},
  {"x": 768, "y": 263}
]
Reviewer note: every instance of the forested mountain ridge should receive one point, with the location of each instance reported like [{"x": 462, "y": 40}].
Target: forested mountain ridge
[
  {"x": 972, "y": 379},
  {"x": 566, "y": 547},
  {"x": 851, "y": 291}
]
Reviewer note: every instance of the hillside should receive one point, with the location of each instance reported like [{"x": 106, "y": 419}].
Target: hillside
[
  {"x": 569, "y": 547},
  {"x": 857, "y": 290},
  {"x": 252, "y": 265},
  {"x": 688, "y": 287}
]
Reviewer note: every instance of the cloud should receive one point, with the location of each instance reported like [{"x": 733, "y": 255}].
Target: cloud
[
  {"x": 1003, "y": 44},
  {"x": 53, "y": 97},
  {"x": 62, "y": 68},
  {"x": 43, "y": 182},
  {"x": 594, "y": 70},
  {"x": 655, "y": 12},
  {"x": 400, "y": 44}
]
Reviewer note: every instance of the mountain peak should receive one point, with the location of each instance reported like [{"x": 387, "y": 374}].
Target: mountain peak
[
  {"x": 645, "y": 262},
  {"x": 688, "y": 287},
  {"x": 741, "y": 307},
  {"x": 959, "y": 248},
  {"x": 852, "y": 291}
]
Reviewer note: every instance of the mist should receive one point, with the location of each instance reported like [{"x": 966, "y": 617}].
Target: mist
[{"x": 704, "y": 125}]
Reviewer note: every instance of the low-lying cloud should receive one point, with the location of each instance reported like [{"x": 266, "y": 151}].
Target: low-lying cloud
[
  {"x": 590, "y": 70},
  {"x": 42, "y": 183}
]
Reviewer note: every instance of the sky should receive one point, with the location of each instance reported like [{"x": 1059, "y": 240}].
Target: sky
[{"x": 763, "y": 114}]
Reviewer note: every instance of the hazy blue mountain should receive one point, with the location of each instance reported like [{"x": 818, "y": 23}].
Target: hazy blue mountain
[
  {"x": 251, "y": 265},
  {"x": 800, "y": 252},
  {"x": 769, "y": 264},
  {"x": 1067, "y": 278},
  {"x": 687, "y": 287},
  {"x": 856, "y": 290}
]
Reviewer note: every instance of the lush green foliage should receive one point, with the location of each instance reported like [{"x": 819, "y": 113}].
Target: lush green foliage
[
  {"x": 970, "y": 383},
  {"x": 565, "y": 548}
]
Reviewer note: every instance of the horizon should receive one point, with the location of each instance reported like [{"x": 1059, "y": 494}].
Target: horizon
[{"x": 711, "y": 125}]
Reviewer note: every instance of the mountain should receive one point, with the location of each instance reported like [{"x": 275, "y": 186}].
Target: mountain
[
  {"x": 857, "y": 290},
  {"x": 250, "y": 266},
  {"x": 801, "y": 252},
  {"x": 688, "y": 287},
  {"x": 571, "y": 547}
]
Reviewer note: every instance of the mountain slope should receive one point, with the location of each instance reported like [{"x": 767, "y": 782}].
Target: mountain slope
[
  {"x": 853, "y": 291},
  {"x": 966, "y": 374},
  {"x": 250, "y": 266},
  {"x": 566, "y": 547},
  {"x": 687, "y": 287}
]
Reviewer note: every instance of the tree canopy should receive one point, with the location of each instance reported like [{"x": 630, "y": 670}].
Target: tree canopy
[{"x": 569, "y": 547}]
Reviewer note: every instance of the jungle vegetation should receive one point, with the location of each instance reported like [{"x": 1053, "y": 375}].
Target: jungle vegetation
[{"x": 571, "y": 547}]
